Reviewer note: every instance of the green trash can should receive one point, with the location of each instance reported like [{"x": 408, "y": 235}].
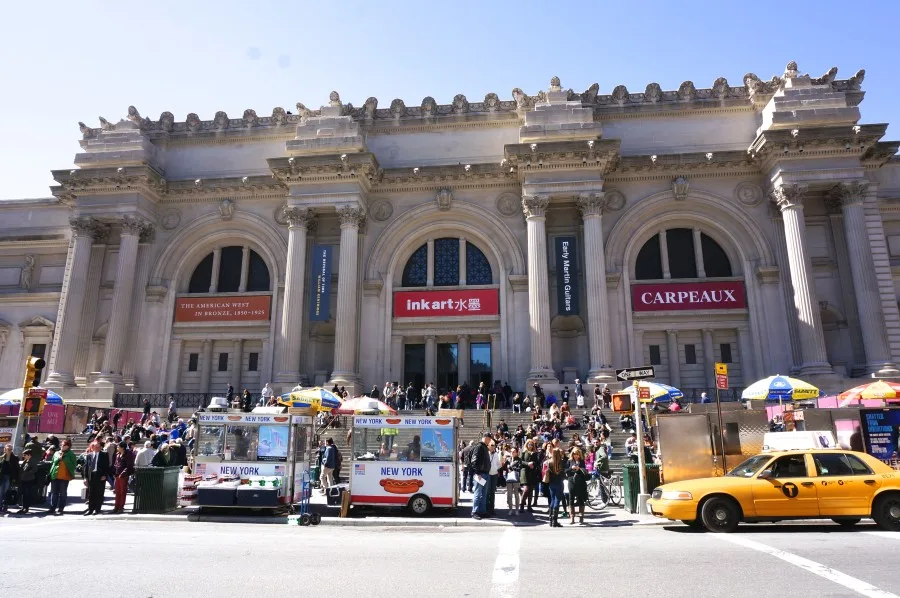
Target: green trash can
[
  {"x": 314, "y": 474},
  {"x": 156, "y": 489},
  {"x": 631, "y": 484}
]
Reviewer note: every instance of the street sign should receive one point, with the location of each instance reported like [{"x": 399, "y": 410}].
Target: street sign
[
  {"x": 721, "y": 369},
  {"x": 635, "y": 373},
  {"x": 621, "y": 403},
  {"x": 644, "y": 393},
  {"x": 32, "y": 406},
  {"x": 37, "y": 393},
  {"x": 721, "y": 382}
]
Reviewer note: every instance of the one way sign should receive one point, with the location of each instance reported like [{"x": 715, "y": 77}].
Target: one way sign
[{"x": 635, "y": 373}]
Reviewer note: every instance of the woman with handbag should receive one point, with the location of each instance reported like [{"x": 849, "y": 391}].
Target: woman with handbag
[
  {"x": 513, "y": 467},
  {"x": 9, "y": 475},
  {"x": 553, "y": 475},
  {"x": 578, "y": 477},
  {"x": 531, "y": 462}
]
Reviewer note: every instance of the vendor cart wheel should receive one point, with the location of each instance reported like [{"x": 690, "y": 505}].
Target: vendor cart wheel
[
  {"x": 419, "y": 505},
  {"x": 315, "y": 519},
  {"x": 305, "y": 519},
  {"x": 847, "y": 521}
]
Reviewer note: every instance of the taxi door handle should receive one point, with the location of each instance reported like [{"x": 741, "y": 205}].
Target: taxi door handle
[
  {"x": 869, "y": 482},
  {"x": 807, "y": 484}
]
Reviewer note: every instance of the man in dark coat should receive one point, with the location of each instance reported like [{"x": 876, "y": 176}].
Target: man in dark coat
[{"x": 96, "y": 470}]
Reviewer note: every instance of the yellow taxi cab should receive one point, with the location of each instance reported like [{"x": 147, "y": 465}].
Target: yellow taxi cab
[{"x": 840, "y": 485}]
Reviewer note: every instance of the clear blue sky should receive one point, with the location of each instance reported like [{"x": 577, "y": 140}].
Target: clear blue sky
[{"x": 62, "y": 62}]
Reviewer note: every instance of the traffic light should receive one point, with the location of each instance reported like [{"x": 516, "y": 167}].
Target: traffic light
[{"x": 32, "y": 366}]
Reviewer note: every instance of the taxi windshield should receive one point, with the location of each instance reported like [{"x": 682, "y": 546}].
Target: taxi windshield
[{"x": 750, "y": 466}]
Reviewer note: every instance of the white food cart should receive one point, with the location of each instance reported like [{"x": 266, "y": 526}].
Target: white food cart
[{"x": 404, "y": 461}]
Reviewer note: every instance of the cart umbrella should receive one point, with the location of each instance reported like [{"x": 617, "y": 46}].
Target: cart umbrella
[
  {"x": 658, "y": 392},
  {"x": 14, "y": 397},
  {"x": 780, "y": 388},
  {"x": 316, "y": 397},
  {"x": 364, "y": 406},
  {"x": 888, "y": 391}
]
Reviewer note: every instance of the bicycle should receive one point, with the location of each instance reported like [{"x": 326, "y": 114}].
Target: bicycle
[{"x": 604, "y": 491}]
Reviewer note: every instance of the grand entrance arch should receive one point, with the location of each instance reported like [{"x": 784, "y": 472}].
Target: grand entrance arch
[
  {"x": 698, "y": 285},
  {"x": 441, "y": 283}
]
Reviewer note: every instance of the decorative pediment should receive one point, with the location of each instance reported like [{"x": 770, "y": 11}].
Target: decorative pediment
[{"x": 37, "y": 324}]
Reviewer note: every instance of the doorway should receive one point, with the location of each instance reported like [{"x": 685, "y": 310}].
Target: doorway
[
  {"x": 480, "y": 369},
  {"x": 414, "y": 365},
  {"x": 447, "y": 367}
]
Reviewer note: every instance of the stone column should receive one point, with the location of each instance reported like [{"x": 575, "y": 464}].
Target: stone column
[
  {"x": 345, "y": 330},
  {"x": 245, "y": 269},
  {"x": 664, "y": 254},
  {"x": 123, "y": 294},
  {"x": 462, "y": 261},
  {"x": 173, "y": 370},
  {"x": 214, "y": 278},
  {"x": 599, "y": 344},
  {"x": 429, "y": 268},
  {"x": 430, "y": 359},
  {"x": 789, "y": 199},
  {"x": 497, "y": 372},
  {"x": 637, "y": 353},
  {"x": 698, "y": 253},
  {"x": 206, "y": 365},
  {"x": 535, "y": 208},
  {"x": 397, "y": 360},
  {"x": 291, "y": 331},
  {"x": 709, "y": 358},
  {"x": 464, "y": 357},
  {"x": 142, "y": 272},
  {"x": 748, "y": 369},
  {"x": 68, "y": 325},
  {"x": 89, "y": 309},
  {"x": 674, "y": 363},
  {"x": 868, "y": 299},
  {"x": 238, "y": 365}
]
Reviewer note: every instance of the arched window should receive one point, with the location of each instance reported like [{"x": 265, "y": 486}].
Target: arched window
[
  {"x": 230, "y": 274},
  {"x": 446, "y": 265},
  {"x": 478, "y": 269},
  {"x": 415, "y": 274},
  {"x": 682, "y": 257}
]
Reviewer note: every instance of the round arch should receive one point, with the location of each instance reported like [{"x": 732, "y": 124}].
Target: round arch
[{"x": 187, "y": 248}]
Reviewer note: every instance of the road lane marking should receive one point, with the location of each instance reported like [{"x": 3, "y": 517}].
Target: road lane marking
[
  {"x": 505, "y": 579},
  {"x": 851, "y": 583},
  {"x": 891, "y": 535}
]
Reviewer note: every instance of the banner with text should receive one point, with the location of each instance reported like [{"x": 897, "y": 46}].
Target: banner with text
[
  {"x": 566, "y": 276},
  {"x": 423, "y": 304},
  {"x": 320, "y": 283},
  {"x": 688, "y": 296},
  {"x": 881, "y": 434},
  {"x": 222, "y": 309}
]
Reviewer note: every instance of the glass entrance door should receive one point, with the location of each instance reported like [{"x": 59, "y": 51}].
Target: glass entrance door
[
  {"x": 480, "y": 369},
  {"x": 447, "y": 367},
  {"x": 414, "y": 365}
]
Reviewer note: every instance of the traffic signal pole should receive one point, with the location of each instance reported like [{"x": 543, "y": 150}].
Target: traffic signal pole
[{"x": 33, "y": 365}]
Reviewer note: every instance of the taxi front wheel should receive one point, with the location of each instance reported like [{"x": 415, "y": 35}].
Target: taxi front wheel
[
  {"x": 886, "y": 512},
  {"x": 720, "y": 514}
]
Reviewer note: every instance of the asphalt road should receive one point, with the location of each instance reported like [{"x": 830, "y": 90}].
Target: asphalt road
[{"x": 68, "y": 556}]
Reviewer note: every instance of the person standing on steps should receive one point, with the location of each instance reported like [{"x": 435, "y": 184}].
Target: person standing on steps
[
  {"x": 329, "y": 464},
  {"x": 554, "y": 475}
]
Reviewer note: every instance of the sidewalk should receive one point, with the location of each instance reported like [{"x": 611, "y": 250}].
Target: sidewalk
[{"x": 359, "y": 516}]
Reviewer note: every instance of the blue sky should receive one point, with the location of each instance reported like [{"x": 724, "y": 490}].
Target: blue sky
[{"x": 63, "y": 62}]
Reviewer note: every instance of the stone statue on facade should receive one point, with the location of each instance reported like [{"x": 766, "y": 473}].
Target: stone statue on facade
[{"x": 25, "y": 278}]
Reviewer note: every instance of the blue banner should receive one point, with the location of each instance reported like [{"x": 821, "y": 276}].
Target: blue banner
[
  {"x": 320, "y": 283},
  {"x": 566, "y": 277},
  {"x": 881, "y": 434}
]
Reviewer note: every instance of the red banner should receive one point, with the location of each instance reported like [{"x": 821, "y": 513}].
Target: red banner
[
  {"x": 688, "y": 296},
  {"x": 222, "y": 309},
  {"x": 423, "y": 304}
]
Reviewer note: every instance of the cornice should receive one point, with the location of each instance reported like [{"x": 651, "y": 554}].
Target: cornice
[
  {"x": 29, "y": 298},
  {"x": 697, "y": 164},
  {"x": 111, "y": 180},
  {"x": 202, "y": 190},
  {"x": 843, "y": 140},
  {"x": 552, "y": 155},
  {"x": 360, "y": 166}
]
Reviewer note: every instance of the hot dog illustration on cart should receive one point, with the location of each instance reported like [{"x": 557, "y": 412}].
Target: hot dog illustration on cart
[{"x": 400, "y": 486}]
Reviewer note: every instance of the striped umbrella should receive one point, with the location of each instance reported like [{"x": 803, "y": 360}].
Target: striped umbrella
[
  {"x": 316, "y": 397},
  {"x": 780, "y": 388},
  {"x": 888, "y": 391},
  {"x": 14, "y": 397},
  {"x": 658, "y": 391}
]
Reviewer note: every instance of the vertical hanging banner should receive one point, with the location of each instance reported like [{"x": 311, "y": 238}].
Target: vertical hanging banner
[
  {"x": 320, "y": 283},
  {"x": 566, "y": 276}
]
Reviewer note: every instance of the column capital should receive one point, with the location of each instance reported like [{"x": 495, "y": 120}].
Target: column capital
[
  {"x": 134, "y": 225},
  {"x": 847, "y": 193},
  {"x": 351, "y": 216},
  {"x": 672, "y": 333},
  {"x": 429, "y": 337},
  {"x": 299, "y": 217},
  {"x": 462, "y": 337},
  {"x": 707, "y": 331},
  {"x": 591, "y": 204},
  {"x": 535, "y": 206},
  {"x": 84, "y": 226},
  {"x": 787, "y": 196}
]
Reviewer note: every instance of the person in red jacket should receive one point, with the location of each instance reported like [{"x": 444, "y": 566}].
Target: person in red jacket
[{"x": 122, "y": 470}]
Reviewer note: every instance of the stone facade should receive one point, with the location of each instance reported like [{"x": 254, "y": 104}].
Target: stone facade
[{"x": 180, "y": 256}]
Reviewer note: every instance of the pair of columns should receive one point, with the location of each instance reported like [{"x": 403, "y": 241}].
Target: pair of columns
[
  {"x": 674, "y": 355},
  {"x": 591, "y": 206},
  {"x": 346, "y": 323},
  {"x": 217, "y": 262},
  {"x": 62, "y": 359},
  {"x": 789, "y": 198}
]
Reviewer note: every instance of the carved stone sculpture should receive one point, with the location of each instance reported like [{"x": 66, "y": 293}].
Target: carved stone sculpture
[
  {"x": 250, "y": 119},
  {"x": 334, "y": 99},
  {"x": 193, "y": 122},
  {"x": 226, "y": 209},
  {"x": 444, "y": 198},
  {"x": 653, "y": 93},
  {"x": 166, "y": 122},
  {"x": 279, "y": 116},
  {"x": 27, "y": 272},
  {"x": 429, "y": 107},
  {"x": 369, "y": 108},
  {"x": 398, "y": 108},
  {"x": 220, "y": 122},
  {"x": 680, "y": 188},
  {"x": 491, "y": 102},
  {"x": 460, "y": 104}
]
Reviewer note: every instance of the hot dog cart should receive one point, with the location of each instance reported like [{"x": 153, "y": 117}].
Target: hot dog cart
[{"x": 404, "y": 461}]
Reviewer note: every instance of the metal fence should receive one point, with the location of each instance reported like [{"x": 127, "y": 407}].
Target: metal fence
[
  {"x": 692, "y": 395},
  {"x": 135, "y": 400}
]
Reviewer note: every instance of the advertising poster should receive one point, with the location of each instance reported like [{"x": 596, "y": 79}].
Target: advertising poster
[
  {"x": 688, "y": 296},
  {"x": 320, "y": 283},
  {"x": 222, "y": 309},
  {"x": 76, "y": 419},
  {"x": 566, "y": 276},
  {"x": 437, "y": 445},
  {"x": 881, "y": 433},
  {"x": 467, "y": 302},
  {"x": 273, "y": 443}
]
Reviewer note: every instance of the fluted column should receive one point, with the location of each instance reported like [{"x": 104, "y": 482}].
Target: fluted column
[
  {"x": 68, "y": 322},
  {"x": 462, "y": 261},
  {"x": 291, "y": 331},
  {"x": 789, "y": 199},
  {"x": 429, "y": 267},
  {"x": 142, "y": 273},
  {"x": 214, "y": 277},
  {"x": 397, "y": 360},
  {"x": 868, "y": 299},
  {"x": 173, "y": 370},
  {"x": 535, "y": 208},
  {"x": 637, "y": 353},
  {"x": 709, "y": 358},
  {"x": 89, "y": 309},
  {"x": 245, "y": 269},
  {"x": 664, "y": 253},
  {"x": 674, "y": 362},
  {"x": 206, "y": 365},
  {"x": 698, "y": 253},
  {"x": 464, "y": 358},
  {"x": 497, "y": 372},
  {"x": 123, "y": 294},
  {"x": 430, "y": 359},
  {"x": 345, "y": 330},
  {"x": 748, "y": 364},
  {"x": 238, "y": 362},
  {"x": 599, "y": 344}
]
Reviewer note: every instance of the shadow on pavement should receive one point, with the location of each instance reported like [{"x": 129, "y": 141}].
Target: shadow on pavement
[{"x": 784, "y": 528}]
